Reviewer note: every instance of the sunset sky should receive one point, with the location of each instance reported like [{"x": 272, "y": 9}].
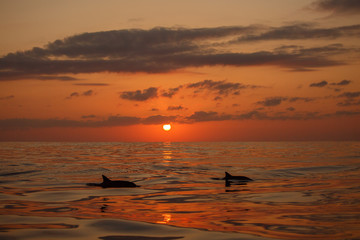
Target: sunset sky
[{"x": 230, "y": 70}]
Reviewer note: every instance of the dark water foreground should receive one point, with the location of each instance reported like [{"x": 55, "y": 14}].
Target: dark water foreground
[{"x": 301, "y": 191}]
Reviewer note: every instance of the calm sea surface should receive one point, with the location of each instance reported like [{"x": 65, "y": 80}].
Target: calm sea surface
[{"x": 301, "y": 190}]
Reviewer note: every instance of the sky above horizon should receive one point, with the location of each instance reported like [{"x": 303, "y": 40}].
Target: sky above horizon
[{"x": 216, "y": 70}]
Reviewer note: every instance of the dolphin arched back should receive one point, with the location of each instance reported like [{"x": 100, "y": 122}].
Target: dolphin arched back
[
  {"x": 228, "y": 176},
  {"x": 107, "y": 183}
]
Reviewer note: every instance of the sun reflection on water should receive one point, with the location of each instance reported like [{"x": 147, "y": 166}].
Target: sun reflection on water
[
  {"x": 166, "y": 218},
  {"x": 167, "y": 152}
]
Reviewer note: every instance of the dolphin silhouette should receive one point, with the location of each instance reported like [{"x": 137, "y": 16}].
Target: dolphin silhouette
[
  {"x": 229, "y": 177},
  {"x": 107, "y": 183}
]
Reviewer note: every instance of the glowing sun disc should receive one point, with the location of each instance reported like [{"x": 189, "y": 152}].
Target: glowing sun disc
[{"x": 167, "y": 127}]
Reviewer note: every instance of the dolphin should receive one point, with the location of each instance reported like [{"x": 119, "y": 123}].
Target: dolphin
[
  {"x": 229, "y": 177},
  {"x": 107, "y": 183}
]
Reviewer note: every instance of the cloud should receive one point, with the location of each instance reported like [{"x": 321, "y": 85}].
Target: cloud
[
  {"x": 338, "y": 7},
  {"x": 122, "y": 43},
  {"x": 290, "y": 109},
  {"x": 305, "y": 99},
  {"x": 301, "y": 31},
  {"x": 272, "y": 101},
  {"x": 158, "y": 119},
  {"x": 171, "y": 92},
  {"x": 139, "y": 95},
  {"x": 222, "y": 88},
  {"x": 319, "y": 84},
  {"x": 175, "y": 108},
  {"x": 275, "y": 101},
  {"x": 7, "y": 97},
  {"x": 60, "y": 78},
  {"x": 325, "y": 83},
  {"x": 351, "y": 99},
  {"x": 88, "y": 116},
  {"x": 167, "y": 49},
  {"x": 202, "y": 116},
  {"x": 342, "y": 83},
  {"x": 24, "y": 123},
  {"x": 91, "y": 84},
  {"x": 346, "y": 113},
  {"x": 88, "y": 93},
  {"x": 116, "y": 121},
  {"x": 76, "y": 94},
  {"x": 349, "y": 102},
  {"x": 350, "y": 94}
]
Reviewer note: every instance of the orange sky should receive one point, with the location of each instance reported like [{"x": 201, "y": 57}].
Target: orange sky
[{"x": 216, "y": 70}]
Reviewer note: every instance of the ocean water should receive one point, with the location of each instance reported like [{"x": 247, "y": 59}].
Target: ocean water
[{"x": 301, "y": 190}]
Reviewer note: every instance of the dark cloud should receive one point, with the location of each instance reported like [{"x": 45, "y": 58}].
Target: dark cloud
[
  {"x": 202, "y": 116},
  {"x": 290, "y": 109},
  {"x": 346, "y": 113},
  {"x": 272, "y": 101},
  {"x": 23, "y": 123},
  {"x": 349, "y": 102},
  {"x": 158, "y": 119},
  {"x": 171, "y": 92},
  {"x": 275, "y": 101},
  {"x": 338, "y": 6},
  {"x": 351, "y": 99},
  {"x": 132, "y": 50},
  {"x": 302, "y": 31},
  {"x": 88, "y": 93},
  {"x": 88, "y": 116},
  {"x": 293, "y": 61},
  {"x": 76, "y": 94},
  {"x": 342, "y": 83},
  {"x": 122, "y": 43},
  {"x": 350, "y": 94},
  {"x": 319, "y": 84},
  {"x": 116, "y": 121},
  {"x": 174, "y": 108},
  {"x": 305, "y": 99},
  {"x": 168, "y": 49},
  {"x": 7, "y": 97},
  {"x": 282, "y": 116},
  {"x": 60, "y": 78},
  {"x": 332, "y": 49},
  {"x": 139, "y": 95},
  {"x": 223, "y": 88},
  {"x": 251, "y": 115},
  {"x": 91, "y": 84}
]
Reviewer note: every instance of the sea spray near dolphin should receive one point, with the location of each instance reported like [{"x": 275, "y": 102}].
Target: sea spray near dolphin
[{"x": 107, "y": 183}]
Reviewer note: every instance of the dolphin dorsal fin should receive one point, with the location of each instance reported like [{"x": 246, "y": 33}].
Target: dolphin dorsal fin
[
  {"x": 105, "y": 179},
  {"x": 227, "y": 175}
]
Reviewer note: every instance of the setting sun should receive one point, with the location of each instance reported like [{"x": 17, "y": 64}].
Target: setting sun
[{"x": 167, "y": 127}]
